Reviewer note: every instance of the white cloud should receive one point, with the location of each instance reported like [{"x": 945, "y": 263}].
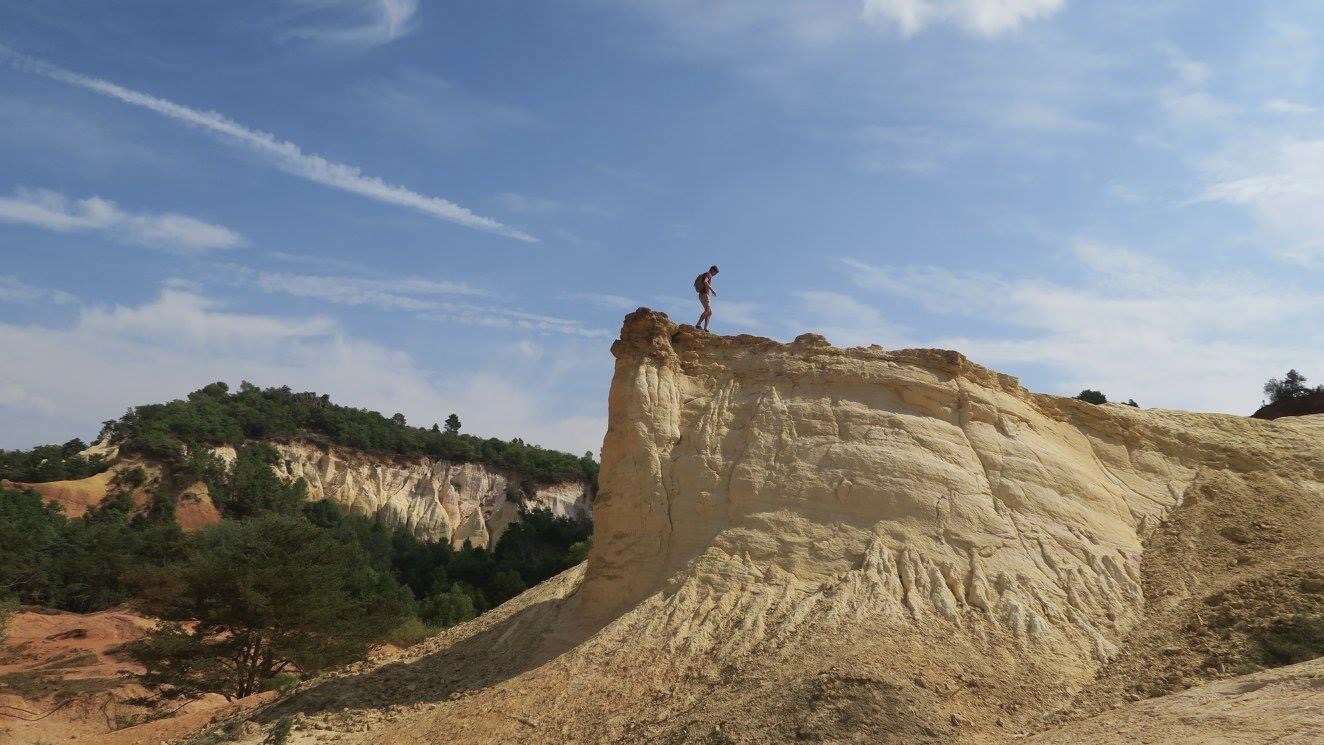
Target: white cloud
[
  {"x": 742, "y": 314},
  {"x": 1194, "y": 108},
  {"x": 62, "y": 381},
  {"x": 363, "y": 22},
  {"x": 403, "y": 294},
  {"x": 283, "y": 154},
  {"x": 845, "y": 321},
  {"x": 43, "y": 208},
  {"x": 423, "y": 297},
  {"x": 917, "y": 150},
  {"x": 1280, "y": 182},
  {"x": 979, "y": 17},
  {"x": 505, "y": 318},
  {"x": 607, "y": 301},
  {"x": 812, "y": 24},
  {"x": 14, "y": 290},
  {"x": 1189, "y": 72},
  {"x": 1284, "y": 106},
  {"x": 1134, "y": 327},
  {"x": 1124, "y": 193}
]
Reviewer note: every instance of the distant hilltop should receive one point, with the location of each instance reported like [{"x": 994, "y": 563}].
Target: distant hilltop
[{"x": 437, "y": 483}]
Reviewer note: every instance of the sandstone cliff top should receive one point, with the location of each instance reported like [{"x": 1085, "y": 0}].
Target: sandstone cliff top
[{"x": 647, "y": 333}]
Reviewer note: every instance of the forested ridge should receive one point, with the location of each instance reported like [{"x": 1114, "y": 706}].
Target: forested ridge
[
  {"x": 281, "y": 583},
  {"x": 213, "y": 415}
]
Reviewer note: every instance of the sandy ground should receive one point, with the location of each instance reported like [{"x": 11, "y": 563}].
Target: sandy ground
[{"x": 62, "y": 680}]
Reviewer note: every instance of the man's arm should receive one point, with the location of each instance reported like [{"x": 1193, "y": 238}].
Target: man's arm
[{"x": 709, "y": 284}]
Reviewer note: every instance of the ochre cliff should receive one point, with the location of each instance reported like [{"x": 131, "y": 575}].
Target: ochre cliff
[
  {"x": 435, "y": 500},
  {"x": 799, "y": 542},
  {"x": 432, "y": 499}
]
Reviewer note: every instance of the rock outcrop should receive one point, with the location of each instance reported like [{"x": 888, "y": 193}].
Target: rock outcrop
[
  {"x": 433, "y": 499},
  {"x": 800, "y": 542}
]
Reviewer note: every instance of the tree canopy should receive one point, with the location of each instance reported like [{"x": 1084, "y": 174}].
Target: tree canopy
[
  {"x": 262, "y": 596},
  {"x": 213, "y": 415},
  {"x": 1292, "y": 385}
]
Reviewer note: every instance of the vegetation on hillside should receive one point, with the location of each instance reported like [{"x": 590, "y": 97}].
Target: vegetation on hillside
[
  {"x": 1292, "y": 385},
  {"x": 213, "y": 415},
  {"x": 84, "y": 564},
  {"x": 279, "y": 584},
  {"x": 50, "y": 463},
  {"x": 255, "y": 598},
  {"x": 1096, "y": 397}
]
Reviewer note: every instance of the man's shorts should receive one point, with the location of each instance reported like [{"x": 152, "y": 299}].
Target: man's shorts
[{"x": 707, "y": 304}]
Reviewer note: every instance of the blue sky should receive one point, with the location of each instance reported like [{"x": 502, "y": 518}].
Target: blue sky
[{"x": 429, "y": 207}]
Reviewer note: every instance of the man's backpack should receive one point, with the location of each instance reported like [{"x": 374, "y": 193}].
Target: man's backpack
[{"x": 700, "y": 282}]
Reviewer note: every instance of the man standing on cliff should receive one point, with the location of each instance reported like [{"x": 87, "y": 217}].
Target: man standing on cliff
[{"x": 703, "y": 284}]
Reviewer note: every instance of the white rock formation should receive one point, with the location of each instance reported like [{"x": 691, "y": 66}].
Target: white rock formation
[
  {"x": 913, "y": 484},
  {"x": 432, "y": 499}
]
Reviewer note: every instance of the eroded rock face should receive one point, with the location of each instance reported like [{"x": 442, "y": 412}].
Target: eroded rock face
[
  {"x": 912, "y": 484},
  {"x": 434, "y": 500}
]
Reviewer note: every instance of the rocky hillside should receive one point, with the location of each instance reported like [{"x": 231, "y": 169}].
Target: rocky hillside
[
  {"x": 437, "y": 484},
  {"x": 799, "y": 542},
  {"x": 433, "y": 499}
]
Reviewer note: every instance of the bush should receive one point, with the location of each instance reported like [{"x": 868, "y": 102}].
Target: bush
[
  {"x": 448, "y": 608},
  {"x": 1292, "y": 385},
  {"x": 280, "y": 734},
  {"x": 1092, "y": 397},
  {"x": 410, "y": 632}
]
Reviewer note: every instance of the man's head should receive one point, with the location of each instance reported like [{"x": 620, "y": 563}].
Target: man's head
[{"x": 712, "y": 270}]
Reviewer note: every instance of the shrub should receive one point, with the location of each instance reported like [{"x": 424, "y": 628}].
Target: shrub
[
  {"x": 448, "y": 608},
  {"x": 1292, "y": 385},
  {"x": 410, "y": 632},
  {"x": 1092, "y": 397}
]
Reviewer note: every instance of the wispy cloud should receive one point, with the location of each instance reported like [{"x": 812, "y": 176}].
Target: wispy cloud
[
  {"x": 1131, "y": 325},
  {"x": 743, "y": 314},
  {"x": 1280, "y": 181},
  {"x": 1284, "y": 106},
  {"x": 844, "y": 320},
  {"x": 442, "y": 301},
  {"x": 403, "y": 294},
  {"x": 43, "y": 208},
  {"x": 977, "y": 17},
  {"x": 606, "y": 300},
  {"x": 14, "y": 290},
  {"x": 818, "y": 23},
  {"x": 358, "y": 22},
  {"x": 283, "y": 154},
  {"x": 182, "y": 339}
]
